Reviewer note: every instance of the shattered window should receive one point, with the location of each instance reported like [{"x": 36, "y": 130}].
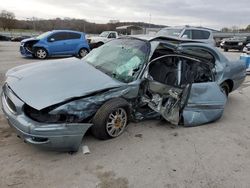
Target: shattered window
[{"x": 121, "y": 59}]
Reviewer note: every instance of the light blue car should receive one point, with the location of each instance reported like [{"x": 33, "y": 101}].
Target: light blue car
[
  {"x": 55, "y": 43},
  {"x": 184, "y": 82}
]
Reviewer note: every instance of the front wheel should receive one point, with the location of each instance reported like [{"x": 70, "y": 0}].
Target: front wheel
[
  {"x": 41, "y": 53},
  {"x": 225, "y": 87},
  {"x": 83, "y": 52},
  {"x": 111, "y": 119}
]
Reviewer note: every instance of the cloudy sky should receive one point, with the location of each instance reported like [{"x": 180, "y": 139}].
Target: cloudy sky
[{"x": 208, "y": 13}]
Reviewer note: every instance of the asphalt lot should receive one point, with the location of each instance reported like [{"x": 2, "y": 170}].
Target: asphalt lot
[{"x": 149, "y": 154}]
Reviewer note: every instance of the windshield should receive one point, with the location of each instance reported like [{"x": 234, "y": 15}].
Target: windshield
[
  {"x": 44, "y": 35},
  {"x": 121, "y": 59},
  {"x": 104, "y": 34},
  {"x": 169, "y": 32}
]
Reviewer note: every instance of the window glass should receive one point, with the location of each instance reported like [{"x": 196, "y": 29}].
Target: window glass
[
  {"x": 73, "y": 36},
  {"x": 111, "y": 35},
  {"x": 169, "y": 32},
  {"x": 104, "y": 34},
  {"x": 121, "y": 59},
  {"x": 199, "y": 34},
  {"x": 58, "y": 36},
  {"x": 187, "y": 34},
  {"x": 44, "y": 35}
]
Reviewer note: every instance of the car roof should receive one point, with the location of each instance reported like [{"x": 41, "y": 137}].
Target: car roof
[
  {"x": 187, "y": 27},
  {"x": 166, "y": 39},
  {"x": 66, "y": 30}
]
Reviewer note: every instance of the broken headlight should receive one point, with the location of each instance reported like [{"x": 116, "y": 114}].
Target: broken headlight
[{"x": 44, "y": 116}]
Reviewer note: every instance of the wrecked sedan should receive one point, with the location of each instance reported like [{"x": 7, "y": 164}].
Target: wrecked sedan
[{"x": 52, "y": 104}]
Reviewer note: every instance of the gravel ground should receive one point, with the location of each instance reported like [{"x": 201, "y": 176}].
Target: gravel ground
[{"x": 149, "y": 154}]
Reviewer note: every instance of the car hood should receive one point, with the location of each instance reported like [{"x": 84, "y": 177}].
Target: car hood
[
  {"x": 96, "y": 38},
  {"x": 44, "y": 84},
  {"x": 29, "y": 39}
]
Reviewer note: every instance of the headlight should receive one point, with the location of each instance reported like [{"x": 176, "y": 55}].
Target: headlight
[
  {"x": 240, "y": 43},
  {"x": 245, "y": 49}
]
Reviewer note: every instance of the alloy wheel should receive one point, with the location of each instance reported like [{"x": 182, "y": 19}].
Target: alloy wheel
[{"x": 116, "y": 122}]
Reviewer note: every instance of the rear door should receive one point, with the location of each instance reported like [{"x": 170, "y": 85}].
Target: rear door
[
  {"x": 182, "y": 94},
  {"x": 73, "y": 41},
  {"x": 205, "y": 103}
]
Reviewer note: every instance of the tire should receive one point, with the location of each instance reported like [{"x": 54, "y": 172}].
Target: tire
[
  {"x": 99, "y": 44},
  {"x": 225, "y": 87},
  {"x": 111, "y": 119},
  {"x": 41, "y": 53},
  {"x": 225, "y": 50},
  {"x": 83, "y": 52}
]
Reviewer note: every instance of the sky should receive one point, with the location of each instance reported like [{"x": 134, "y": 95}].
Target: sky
[{"x": 208, "y": 13}]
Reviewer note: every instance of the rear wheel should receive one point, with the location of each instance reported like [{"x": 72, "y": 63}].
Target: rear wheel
[
  {"x": 99, "y": 44},
  {"x": 111, "y": 119},
  {"x": 41, "y": 53},
  {"x": 83, "y": 52}
]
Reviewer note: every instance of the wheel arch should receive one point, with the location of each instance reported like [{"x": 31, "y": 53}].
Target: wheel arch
[
  {"x": 46, "y": 49},
  {"x": 230, "y": 83}
]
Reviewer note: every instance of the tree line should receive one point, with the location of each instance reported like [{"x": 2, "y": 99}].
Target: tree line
[{"x": 9, "y": 22}]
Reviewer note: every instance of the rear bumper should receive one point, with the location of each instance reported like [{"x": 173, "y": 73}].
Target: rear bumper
[{"x": 60, "y": 137}]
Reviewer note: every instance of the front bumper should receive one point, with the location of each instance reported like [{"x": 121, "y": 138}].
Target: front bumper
[
  {"x": 60, "y": 137},
  {"x": 25, "y": 52}
]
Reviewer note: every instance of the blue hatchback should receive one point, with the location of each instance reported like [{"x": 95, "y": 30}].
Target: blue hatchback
[{"x": 55, "y": 43}]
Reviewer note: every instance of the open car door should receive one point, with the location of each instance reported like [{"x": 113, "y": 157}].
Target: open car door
[{"x": 183, "y": 91}]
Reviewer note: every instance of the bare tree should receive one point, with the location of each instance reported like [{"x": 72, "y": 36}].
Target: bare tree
[{"x": 7, "y": 20}]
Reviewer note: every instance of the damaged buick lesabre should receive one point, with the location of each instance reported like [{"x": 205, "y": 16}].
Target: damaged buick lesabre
[{"x": 52, "y": 104}]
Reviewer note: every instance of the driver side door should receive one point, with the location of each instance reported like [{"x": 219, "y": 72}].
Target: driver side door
[{"x": 182, "y": 94}]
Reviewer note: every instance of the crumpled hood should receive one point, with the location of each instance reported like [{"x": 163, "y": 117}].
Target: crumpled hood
[
  {"x": 29, "y": 39},
  {"x": 43, "y": 84}
]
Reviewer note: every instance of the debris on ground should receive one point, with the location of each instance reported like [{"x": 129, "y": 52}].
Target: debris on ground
[{"x": 85, "y": 150}]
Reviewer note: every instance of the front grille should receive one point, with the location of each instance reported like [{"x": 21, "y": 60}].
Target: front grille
[{"x": 10, "y": 105}]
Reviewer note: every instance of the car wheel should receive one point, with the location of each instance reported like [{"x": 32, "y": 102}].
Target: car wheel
[
  {"x": 111, "y": 119},
  {"x": 99, "y": 44},
  {"x": 41, "y": 53},
  {"x": 225, "y": 50},
  {"x": 225, "y": 87},
  {"x": 83, "y": 52}
]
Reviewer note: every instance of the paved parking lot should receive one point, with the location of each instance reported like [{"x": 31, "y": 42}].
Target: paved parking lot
[{"x": 149, "y": 154}]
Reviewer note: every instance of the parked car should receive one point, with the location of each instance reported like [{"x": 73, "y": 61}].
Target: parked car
[
  {"x": 52, "y": 104},
  {"x": 4, "y": 38},
  {"x": 246, "y": 49},
  {"x": 236, "y": 43},
  {"x": 104, "y": 37},
  {"x": 187, "y": 32},
  {"x": 55, "y": 43},
  {"x": 19, "y": 38}
]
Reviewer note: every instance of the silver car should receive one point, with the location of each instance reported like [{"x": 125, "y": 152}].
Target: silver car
[
  {"x": 197, "y": 34},
  {"x": 52, "y": 104}
]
